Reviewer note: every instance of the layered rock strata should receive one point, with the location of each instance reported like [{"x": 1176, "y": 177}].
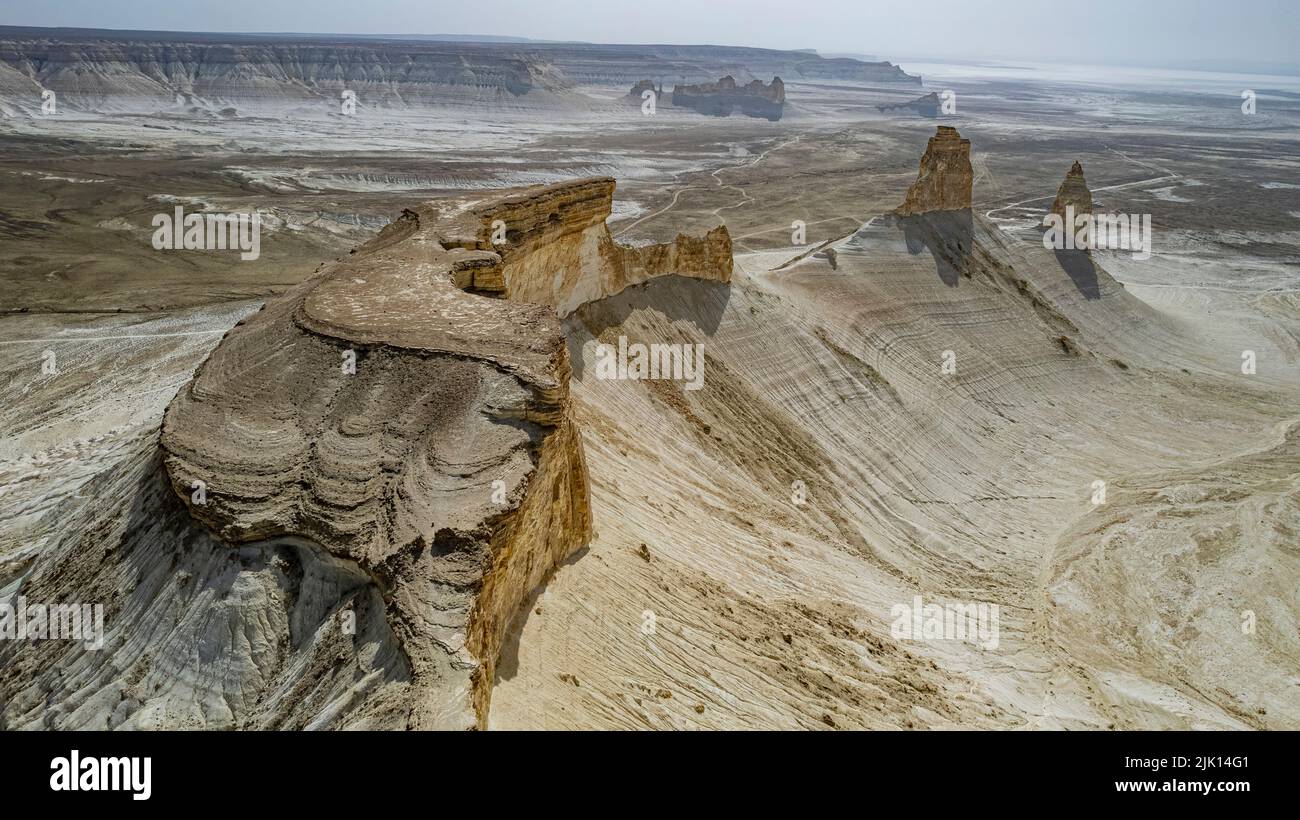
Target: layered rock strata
[
  {"x": 854, "y": 70},
  {"x": 635, "y": 94},
  {"x": 945, "y": 178},
  {"x": 926, "y": 106},
  {"x": 420, "y": 433}
]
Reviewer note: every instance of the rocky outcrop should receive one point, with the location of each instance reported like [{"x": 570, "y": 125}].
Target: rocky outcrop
[
  {"x": 721, "y": 98},
  {"x": 1073, "y": 192},
  {"x": 927, "y": 106},
  {"x": 110, "y": 72},
  {"x": 349, "y": 502},
  {"x": 944, "y": 180},
  {"x": 392, "y": 418}
]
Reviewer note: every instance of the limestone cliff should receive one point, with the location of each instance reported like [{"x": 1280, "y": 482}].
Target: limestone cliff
[
  {"x": 945, "y": 178},
  {"x": 854, "y": 70},
  {"x": 419, "y": 432},
  {"x": 643, "y": 86},
  {"x": 143, "y": 70}
]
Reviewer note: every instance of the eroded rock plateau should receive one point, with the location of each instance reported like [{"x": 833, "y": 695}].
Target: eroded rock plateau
[
  {"x": 1073, "y": 192},
  {"x": 944, "y": 180},
  {"x": 367, "y": 477}
]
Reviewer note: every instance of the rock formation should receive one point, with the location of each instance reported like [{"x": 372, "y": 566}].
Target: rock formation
[
  {"x": 642, "y": 87},
  {"x": 927, "y": 106},
  {"x": 944, "y": 180},
  {"x": 556, "y": 249},
  {"x": 847, "y": 68},
  {"x": 721, "y": 98},
  {"x": 1073, "y": 191},
  {"x": 357, "y": 490}
]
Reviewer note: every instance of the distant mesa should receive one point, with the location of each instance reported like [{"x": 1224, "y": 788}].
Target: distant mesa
[
  {"x": 945, "y": 178},
  {"x": 831, "y": 256},
  {"x": 1077, "y": 261},
  {"x": 927, "y": 106},
  {"x": 1073, "y": 191},
  {"x": 359, "y": 490},
  {"x": 721, "y": 98},
  {"x": 638, "y": 90},
  {"x": 847, "y": 68}
]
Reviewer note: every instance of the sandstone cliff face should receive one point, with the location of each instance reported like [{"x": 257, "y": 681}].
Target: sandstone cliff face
[
  {"x": 927, "y": 105},
  {"x": 390, "y": 420},
  {"x": 1073, "y": 191},
  {"x": 945, "y": 178},
  {"x": 124, "y": 71}
]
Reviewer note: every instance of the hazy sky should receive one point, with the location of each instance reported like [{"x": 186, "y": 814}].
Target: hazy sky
[{"x": 1126, "y": 32}]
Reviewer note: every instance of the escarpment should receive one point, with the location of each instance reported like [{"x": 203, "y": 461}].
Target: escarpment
[
  {"x": 945, "y": 178},
  {"x": 390, "y": 415},
  {"x": 927, "y": 105}
]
